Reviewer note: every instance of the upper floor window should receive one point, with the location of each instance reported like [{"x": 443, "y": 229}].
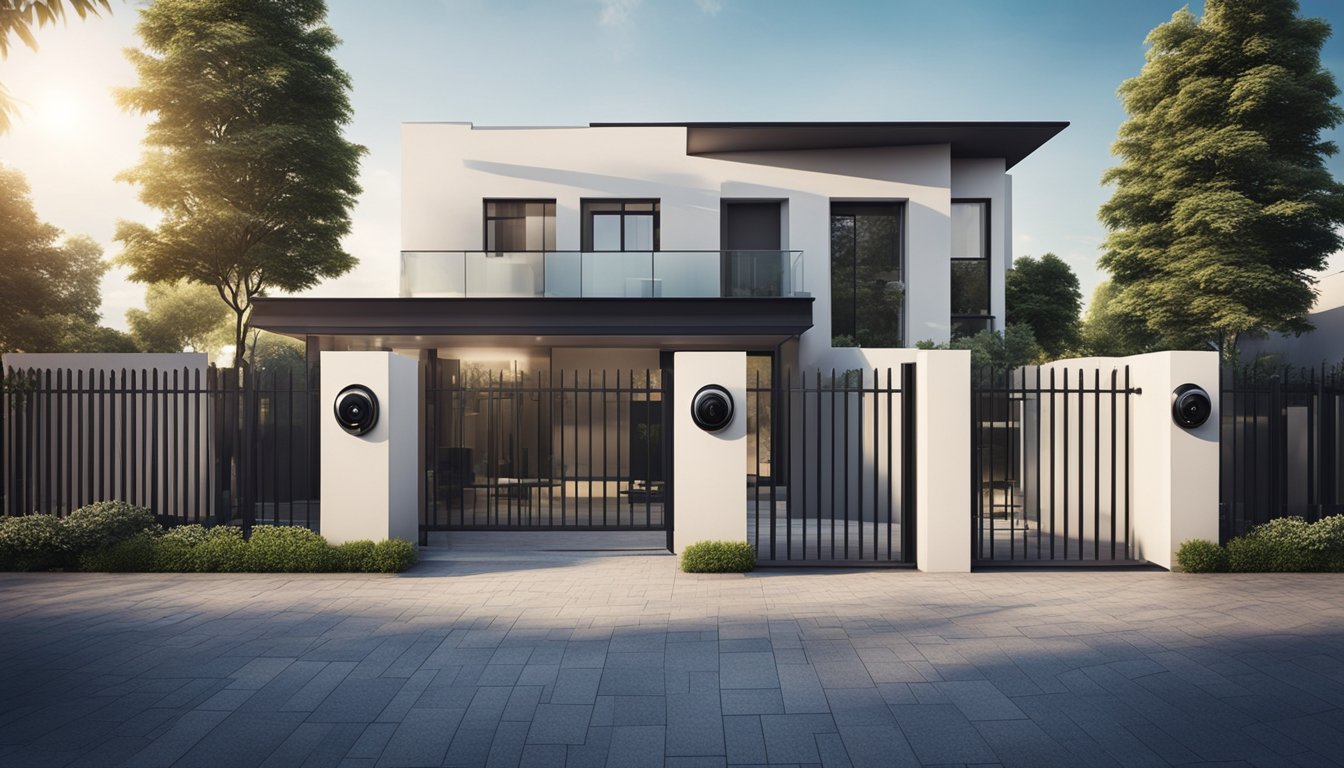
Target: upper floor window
[
  {"x": 620, "y": 225},
  {"x": 867, "y": 274},
  {"x": 970, "y": 267},
  {"x": 519, "y": 225}
]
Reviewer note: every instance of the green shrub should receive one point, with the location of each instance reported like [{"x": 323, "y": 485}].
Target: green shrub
[
  {"x": 136, "y": 554},
  {"x": 718, "y": 557},
  {"x": 353, "y": 557},
  {"x": 393, "y": 556},
  {"x": 1325, "y": 543},
  {"x": 176, "y": 551},
  {"x": 1256, "y": 554},
  {"x": 1201, "y": 556},
  {"x": 287, "y": 549},
  {"x": 222, "y": 551},
  {"x": 34, "y": 543},
  {"x": 103, "y": 523}
]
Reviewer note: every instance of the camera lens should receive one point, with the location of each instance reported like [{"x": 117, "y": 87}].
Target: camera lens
[
  {"x": 356, "y": 409},
  {"x": 712, "y": 408},
  {"x": 1191, "y": 406}
]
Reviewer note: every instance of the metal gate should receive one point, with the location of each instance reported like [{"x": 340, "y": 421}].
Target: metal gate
[
  {"x": 569, "y": 450},
  {"x": 831, "y": 467},
  {"x": 1050, "y": 466}
]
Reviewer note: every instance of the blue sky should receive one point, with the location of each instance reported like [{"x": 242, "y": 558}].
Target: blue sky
[{"x": 566, "y": 62}]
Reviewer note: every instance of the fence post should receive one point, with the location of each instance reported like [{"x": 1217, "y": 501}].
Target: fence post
[{"x": 943, "y": 450}]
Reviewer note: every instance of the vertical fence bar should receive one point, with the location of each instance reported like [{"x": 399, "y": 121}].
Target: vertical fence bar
[{"x": 909, "y": 495}]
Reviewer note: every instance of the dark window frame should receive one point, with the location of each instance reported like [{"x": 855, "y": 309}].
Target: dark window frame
[
  {"x": 486, "y": 219},
  {"x": 985, "y": 319},
  {"x": 901, "y": 208},
  {"x": 586, "y": 220}
]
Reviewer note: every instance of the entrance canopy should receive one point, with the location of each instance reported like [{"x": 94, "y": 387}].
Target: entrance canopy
[{"x": 410, "y": 323}]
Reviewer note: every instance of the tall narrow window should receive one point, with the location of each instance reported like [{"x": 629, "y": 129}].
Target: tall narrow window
[
  {"x": 620, "y": 225},
  {"x": 867, "y": 275},
  {"x": 970, "y": 268},
  {"x": 519, "y": 225}
]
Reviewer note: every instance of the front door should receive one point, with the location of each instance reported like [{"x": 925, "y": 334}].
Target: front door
[{"x": 751, "y": 238}]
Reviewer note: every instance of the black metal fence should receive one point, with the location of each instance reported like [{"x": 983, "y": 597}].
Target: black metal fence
[
  {"x": 832, "y": 472},
  {"x": 1050, "y": 466},
  {"x": 569, "y": 450},
  {"x": 1282, "y": 446},
  {"x": 213, "y": 446}
]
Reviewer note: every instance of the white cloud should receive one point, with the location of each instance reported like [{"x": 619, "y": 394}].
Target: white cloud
[
  {"x": 710, "y": 7},
  {"x": 616, "y": 13}
]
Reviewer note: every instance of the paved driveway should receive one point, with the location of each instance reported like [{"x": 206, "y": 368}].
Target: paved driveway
[{"x": 623, "y": 661}]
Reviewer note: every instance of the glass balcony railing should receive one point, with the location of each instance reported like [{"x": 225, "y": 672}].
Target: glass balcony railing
[{"x": 580, "y": 274}]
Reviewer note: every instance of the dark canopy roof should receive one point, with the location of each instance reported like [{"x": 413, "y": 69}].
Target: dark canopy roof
[{"x": 1013, "y": 141}]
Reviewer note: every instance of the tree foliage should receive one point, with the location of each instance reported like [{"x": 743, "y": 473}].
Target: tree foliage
[
  {"x": 1043, "y": 294},
  {"x": 244, "y": 155},
  {"x": 21, "y": 18},
  {"x": 1223, "y": 205},
  {"x": 180, "y": 315},
  {"x": 1109, "y": 330},
  {"x": 49, "y": 290}
]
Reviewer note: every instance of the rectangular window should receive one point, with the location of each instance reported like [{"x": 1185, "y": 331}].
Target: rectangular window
[
  {"x": 519, "y": 225},
  {"x": 867, "y": 274},
  {"x": 620, "y": 225},
  {"x": 970, "y": 268}
]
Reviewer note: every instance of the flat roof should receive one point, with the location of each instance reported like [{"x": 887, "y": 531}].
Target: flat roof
[{"x": 1013, "y": 141}]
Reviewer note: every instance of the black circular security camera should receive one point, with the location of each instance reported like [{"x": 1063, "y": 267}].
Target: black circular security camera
[
  {"x": 356, "y": 409},
  {"x": 712, "y": 408},
  {"x": 1191, "y": 406}
]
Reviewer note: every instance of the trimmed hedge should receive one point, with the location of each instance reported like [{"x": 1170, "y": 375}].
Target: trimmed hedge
[
  {"x": 1284, "y": 545},
  {"x": 718, "y": 557},
  {"x": 118, "y": 537}
]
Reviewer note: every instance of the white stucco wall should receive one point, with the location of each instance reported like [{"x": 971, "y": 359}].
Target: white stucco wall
[
  {"x": 709, "y": 469},
  {"x": 449, "y": 169},
  {"x": 369, "y": 486},
  {"x": 987, "y": 180}
]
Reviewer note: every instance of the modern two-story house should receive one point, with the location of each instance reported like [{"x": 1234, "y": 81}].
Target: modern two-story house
[{"x": 547, "y": 275}]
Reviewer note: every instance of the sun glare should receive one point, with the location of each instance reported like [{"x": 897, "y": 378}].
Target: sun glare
[{"x": 60, "y": 113}]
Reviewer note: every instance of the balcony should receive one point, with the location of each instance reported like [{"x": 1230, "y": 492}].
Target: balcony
[{"x": 605, "y": 274}]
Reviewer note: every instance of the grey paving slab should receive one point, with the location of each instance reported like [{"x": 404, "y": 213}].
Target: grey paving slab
[{"x": 599, "y": 660}]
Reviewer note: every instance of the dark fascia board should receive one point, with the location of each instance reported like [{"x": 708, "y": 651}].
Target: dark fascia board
[
  {"x": 534, "y": 316},
  {"x": 1012, "y": 141}
]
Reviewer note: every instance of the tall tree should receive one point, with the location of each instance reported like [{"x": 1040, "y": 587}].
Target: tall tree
[
  {"x": 20, "y": 18},
  {"x": 179, "y": 315},
  {"x": 49, "y": 290},
  {"x": 244, "y": 155},
  {"x": 1223, "y": 205},
  {"x": 1043, "y": 294},
  {"x": 1110, "y": 331}
]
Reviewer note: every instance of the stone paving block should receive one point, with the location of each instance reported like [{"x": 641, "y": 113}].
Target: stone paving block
[
  {"x": 694, "y": 724},
  {"x": 859, "y": 706},
  {"x": 178, "y": 740},
  {"x": 486, "y": 708},
  {"x": 632, "y": 674},
  {"x": 747, "y": 670},
  {"x": 312, "y": 694},
  {"x": 470, "y": 747},
  {"x": 843, "y": 674},
  {"x": 542, "y": 756},
  {"x": 242, "y": 740},
  {"x": 638, "y": 710},
  {"x": 559, "y": 724},
  {"x": 876, "y": 746},
  {"x": 500, "y": 674},
  {"x": 506, "y": 748},
  {"x": 522, "y": 704},
  {"x": 743, "y": 739},
  {"x": 576, "y": 686},
  {"x": 356, "y": 701},
  {"x": 585, "y": 654},
  {"x": 636, "y": 746},
  {"x": 801, "y": 690},
  {"x": 979, "y": 700},
  {"x": 832, "y": 751},
  {"x": 760, "y": 701},
  {"x": 421, "y": 738},
  {"x": 939, "y": 733},
  {"x": 592, "y": 753},
  {"x": 791, "y": 738},
  {"x": 301, "y": 743}
]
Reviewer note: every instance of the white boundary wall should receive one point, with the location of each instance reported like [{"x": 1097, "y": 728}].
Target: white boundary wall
[
  {"x": 369, "y": 482},
  {"x": 709, "y": 470}
]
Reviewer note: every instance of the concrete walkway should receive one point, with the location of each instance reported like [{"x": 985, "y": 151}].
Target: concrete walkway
[{"x": 622, "y": 661}]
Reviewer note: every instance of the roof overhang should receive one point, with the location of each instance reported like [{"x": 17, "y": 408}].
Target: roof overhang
[
  {"x": 576, "y": 319},
  {"x": 1012, "y": 141}
]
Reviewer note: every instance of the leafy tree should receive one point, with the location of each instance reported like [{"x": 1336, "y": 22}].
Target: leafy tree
[
  {"x": 1222, "y": 203},
  {"x": 993, "y": 352},
  {"x": 49, "y": 290},
  {"x": 1043, "y": 294},
  {"x": 1110, "y": 331},
  {"x": 19, "y": 18},
  {"x": 245, "y": 156},
  {"x": 179, "y": 315}
]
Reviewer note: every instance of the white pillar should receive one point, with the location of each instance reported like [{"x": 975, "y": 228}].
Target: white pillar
[
  {"x": 369, "y": 488},
  {"x": 1174, "y": 477},
  {"x": 709, "y": 472},
  {"x": 943, "y": 448}
]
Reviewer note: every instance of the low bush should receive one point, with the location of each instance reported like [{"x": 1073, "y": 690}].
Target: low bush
[
  {"x": 353, "y": 557},
  {"x": 284, "y": 549},
  {"x": 104, "y": 523},
  {"x": 223, "y": 550},
  {"x": 392, "y": 556},
  {"x": 35, "y": 543},
  {"x": 718, "y": 557},
  {"x": 139, "y": 553},
  {"x": 1201, "y": 556}
]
